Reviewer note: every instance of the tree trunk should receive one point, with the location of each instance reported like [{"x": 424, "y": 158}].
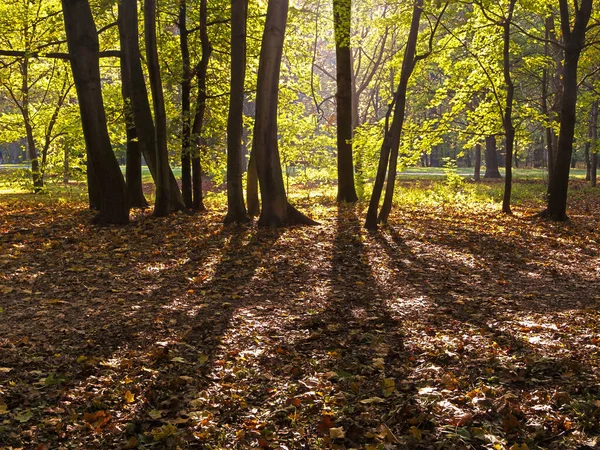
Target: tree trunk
[
  {"x": 586, "y": 150},
  {"x": 507, "y": 122},
  {"x": 341, "y": 20},
  {"x": 477, "y": 171},
  {"x": 186, "y": 88},
  {"x": 236, "y": 209},
  {"x": 594, "y": 136},
  {"x": 574, "y": 40},
  {"x": 276, "y": 211},
  {"x": 197, "y": 200},
  {"x": 252, "y": 185},
  {"x": 391, "y": 141},
  {"x": 82, "y": 40},
  {"x": 142, "y": 115},
  {"x": 161, "y": 205},
  {"x": 133, "y": 168},
  {"x": 491, "y": 158}
]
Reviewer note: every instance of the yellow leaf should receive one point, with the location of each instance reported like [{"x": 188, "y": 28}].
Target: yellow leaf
[
  {"x": 129, "y": 397},
  {"x": 388, "y": 385},
  {"x": 3, "y": 409}
]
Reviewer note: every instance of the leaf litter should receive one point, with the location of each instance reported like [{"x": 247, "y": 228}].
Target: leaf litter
[{"x": 449, "y": 329}]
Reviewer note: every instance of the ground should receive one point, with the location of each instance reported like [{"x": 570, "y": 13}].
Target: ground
[{"x": 452, "y": 327}]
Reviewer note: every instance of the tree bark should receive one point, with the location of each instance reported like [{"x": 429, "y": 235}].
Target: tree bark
[
  {"x": 161, "y": 204},
  {"x": 252, "y": 185},
  {"x": 574, "y": 40},
  {"x": 276, "y": 211},
  {"x": 133, "y": 168},
  {"x": 186, "y": 88},
  {"x": 342, "y": 20},
  {"x": 142, "y": 115},
  {"x": 197, "y": 200},
  {"x": 594, "y": 149},
  {"x": 507, "y": 122},
  {"x": 477, "y": 170},
  {"x": 82, "y": 40},
  {"x": 491, "y": 158},
  {"x": 236, "y": 209}
]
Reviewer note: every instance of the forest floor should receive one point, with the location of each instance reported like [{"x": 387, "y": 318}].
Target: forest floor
[{"x": 453, "y": 327}]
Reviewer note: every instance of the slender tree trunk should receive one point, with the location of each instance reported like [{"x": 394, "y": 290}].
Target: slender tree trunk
[
  {"x": 82, "y": 39},
  {"x": 236, "y": 209},
  {"x": 197, "y": 200},
  {"x": 586, "y": 148},
  {"x": 36, "y": 173},
  {"x": 142, "y": 115},
  {"x": 276, "y": 211},
  {"x": 509, "y": 128},
  {"x": 391, "y": 141},
  {"x": 574, "y": 39},
  {"x": 342, "y": 19},
  {"x": 477, "y": 171},
  {"x": 161, "y": 205},
  {"x": 186, "y": 88},
  {"x": 66, "y": 170},
  {"x": 594, "y": 136},
  {"x": 133, "y": 168}
]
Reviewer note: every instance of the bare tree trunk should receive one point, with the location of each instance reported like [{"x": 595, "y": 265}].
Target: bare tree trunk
[
  {"x": 276, "y": 211},
  {"x": 574, "y": 40},
  {"x": 161, "y": 205},
  {"x": 342, "y": 19},
  {"x": 236, "y": 209},
  {"x": 82, "y": 39}
]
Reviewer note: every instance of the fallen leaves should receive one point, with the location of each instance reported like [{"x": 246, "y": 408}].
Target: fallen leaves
[{"x": 451, "y": 330}]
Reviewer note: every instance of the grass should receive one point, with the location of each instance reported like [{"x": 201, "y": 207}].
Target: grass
[{"x": 415, "y": 186}]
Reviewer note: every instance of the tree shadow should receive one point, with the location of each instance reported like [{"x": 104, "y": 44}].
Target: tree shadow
[{"x": 354, "y": 338}]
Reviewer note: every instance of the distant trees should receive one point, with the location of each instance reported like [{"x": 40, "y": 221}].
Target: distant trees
[{"x": 501, "y": 74}]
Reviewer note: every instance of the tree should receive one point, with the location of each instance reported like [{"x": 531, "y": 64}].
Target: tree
[
  {"x": 161, "y": 205},
  {"x": 186, "y": 89},
  {"x": 82, "y": 40},
  {"x": 133, "y": 169},
  {"x": 574, "y": 41},
  {"x": 276, "y": 211},
  {"x": 342, "y": 20},
  {"x": 37, "y": 87},
  {"x": 391, "y": 143},
  {"x": 236, "y": 209},
  {"x": 198, "y": 123},
  {"x": 140, "y": 105},
  {"x": 491, "y": 158}
]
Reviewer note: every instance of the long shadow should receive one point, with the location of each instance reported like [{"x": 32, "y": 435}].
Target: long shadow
[
  {"x": 508, "y": 362},
  {"x": 355, "y": 338}
]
